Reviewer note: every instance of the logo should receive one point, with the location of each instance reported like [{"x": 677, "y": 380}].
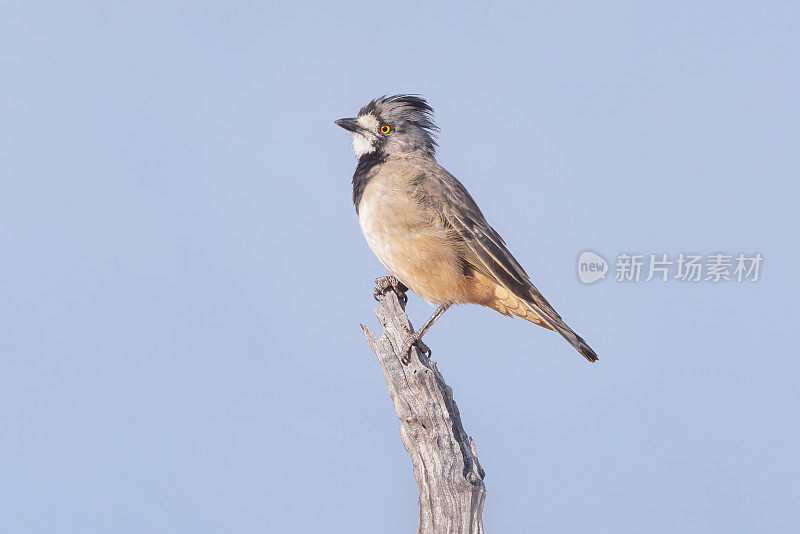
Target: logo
[
  {"x": 591, "y": 267},
  {"x": 686, "y": 267}
]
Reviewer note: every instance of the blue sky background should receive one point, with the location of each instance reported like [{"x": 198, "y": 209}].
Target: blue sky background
[{"x": 182, "y": 274}]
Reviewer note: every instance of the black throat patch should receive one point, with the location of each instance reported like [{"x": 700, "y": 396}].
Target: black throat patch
[{"x": 364, "y": 171}]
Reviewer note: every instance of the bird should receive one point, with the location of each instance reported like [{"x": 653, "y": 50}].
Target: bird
[{"x": 427, "y": 230}]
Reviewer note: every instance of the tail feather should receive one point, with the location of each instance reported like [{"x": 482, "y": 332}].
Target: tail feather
[
  {"x": 576, "y": 341},
  {"x": 533, "y": 307},
  {"x": 558, "y": 324}
]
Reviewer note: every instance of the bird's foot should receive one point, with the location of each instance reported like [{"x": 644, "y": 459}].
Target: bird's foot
[
  {"x": 410, "y": 341},
  {"x": 385, "y": 283}
]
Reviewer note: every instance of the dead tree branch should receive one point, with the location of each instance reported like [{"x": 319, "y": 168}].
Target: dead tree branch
[{"x": 446, "y": 467}]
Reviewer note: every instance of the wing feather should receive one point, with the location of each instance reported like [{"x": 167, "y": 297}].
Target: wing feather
[
  {"x": 458, "y": 210},
  {"x": 461, "y": 212}
]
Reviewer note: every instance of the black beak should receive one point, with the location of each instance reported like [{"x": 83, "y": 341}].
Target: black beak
[{"x": 348, "y": 124}]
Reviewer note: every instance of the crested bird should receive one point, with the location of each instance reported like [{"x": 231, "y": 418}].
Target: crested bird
[{"x": 426, "y": 229}]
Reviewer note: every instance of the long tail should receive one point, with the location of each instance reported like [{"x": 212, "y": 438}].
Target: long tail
[
  {"x": 555, "y": 322},
  {"x": 537, "y": 310},
  {"x": 574, "y": 339}
]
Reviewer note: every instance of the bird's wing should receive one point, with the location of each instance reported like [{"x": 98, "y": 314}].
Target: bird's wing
[
  {"x": 490, "y": 255},
  {"x": 458, "y": 210}
]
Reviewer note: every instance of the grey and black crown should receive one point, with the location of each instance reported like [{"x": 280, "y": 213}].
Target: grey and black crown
[{"x": 407, "y": 114}]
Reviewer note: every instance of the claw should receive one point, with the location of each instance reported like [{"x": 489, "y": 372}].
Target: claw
[
  {"x": 425, "y": 349},
  {"x": 410, "y": 341},
  {"x": 385, "y": 283}
]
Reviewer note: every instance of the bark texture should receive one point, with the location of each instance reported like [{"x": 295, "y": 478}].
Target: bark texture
[{"x": 446, "y": 467}]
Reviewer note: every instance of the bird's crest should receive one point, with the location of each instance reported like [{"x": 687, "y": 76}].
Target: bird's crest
[{"x": 412, "y": 110}]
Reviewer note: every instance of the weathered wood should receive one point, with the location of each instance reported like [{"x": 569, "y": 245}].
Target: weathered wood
[{"x": 446, "y": 467}]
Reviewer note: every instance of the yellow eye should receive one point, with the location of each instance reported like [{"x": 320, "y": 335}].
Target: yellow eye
[{"x": 385, "y": 129}]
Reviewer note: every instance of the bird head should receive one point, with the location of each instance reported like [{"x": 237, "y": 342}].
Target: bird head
[{"x": 392, "y": 125}]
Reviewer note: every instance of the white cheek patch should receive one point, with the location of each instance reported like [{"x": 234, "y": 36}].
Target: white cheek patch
[
  {"x": 362, "y": 145},
  {"x": 365, "y": 143}
]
